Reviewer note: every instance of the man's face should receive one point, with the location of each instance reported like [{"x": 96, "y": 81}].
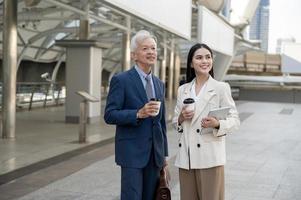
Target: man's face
[{"x": 146, "y": 53}]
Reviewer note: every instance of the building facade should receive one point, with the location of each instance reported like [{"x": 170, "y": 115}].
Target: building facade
[
  {"x": 281, "y": 42},
  {"x": 259, "y": 27}
]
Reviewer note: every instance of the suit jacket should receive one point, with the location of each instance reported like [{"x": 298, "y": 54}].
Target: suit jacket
[
  {"x": 206, "y": 147},
  {"x": 135, "y": 139}
]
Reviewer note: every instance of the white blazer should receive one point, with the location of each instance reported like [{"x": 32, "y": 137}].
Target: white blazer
[{"x": 201, "y": 148}]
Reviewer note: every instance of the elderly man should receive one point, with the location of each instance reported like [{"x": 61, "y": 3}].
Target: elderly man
[{"x": 140, "y": 142}]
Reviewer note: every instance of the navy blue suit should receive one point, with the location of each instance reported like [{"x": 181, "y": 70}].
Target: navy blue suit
[{"x": 139, "y": 144}]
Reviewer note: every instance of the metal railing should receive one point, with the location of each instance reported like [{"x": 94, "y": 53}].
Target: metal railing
[{"x": 38, "y": 94}]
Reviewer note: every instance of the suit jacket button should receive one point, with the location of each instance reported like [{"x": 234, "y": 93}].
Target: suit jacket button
[
  {"x": 198, "y": 145},
  {"x": 180, "y": 144},
  {"x": 197, "y": 130}
]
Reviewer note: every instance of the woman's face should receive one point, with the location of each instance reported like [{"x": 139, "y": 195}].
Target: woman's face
[{"x": 202, "y": 61}]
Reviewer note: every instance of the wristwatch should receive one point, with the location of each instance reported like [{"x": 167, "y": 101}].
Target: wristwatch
[{"x": 137, "y": 118}]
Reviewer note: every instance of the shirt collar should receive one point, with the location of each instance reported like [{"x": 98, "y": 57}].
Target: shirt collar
[{"x": 142, "y": 73}]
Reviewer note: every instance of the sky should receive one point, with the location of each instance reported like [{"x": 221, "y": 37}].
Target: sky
[{"x": 285, "y": 19}]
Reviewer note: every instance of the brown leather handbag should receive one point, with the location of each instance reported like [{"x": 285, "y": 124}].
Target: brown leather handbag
[{"x": 163, "y": 191}]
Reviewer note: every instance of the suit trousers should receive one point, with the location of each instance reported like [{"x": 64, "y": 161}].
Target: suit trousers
[
  {"x": 202, "y": 184},
  {"x": 140, "y": 183}
]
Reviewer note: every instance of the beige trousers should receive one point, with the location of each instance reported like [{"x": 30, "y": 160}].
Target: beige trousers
[{"x": 202, "y": 184}]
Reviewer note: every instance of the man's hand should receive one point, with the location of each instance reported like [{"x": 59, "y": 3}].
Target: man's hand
[
  {"x": 165, "y": 162},
  {"x": 149, "y": 109}
]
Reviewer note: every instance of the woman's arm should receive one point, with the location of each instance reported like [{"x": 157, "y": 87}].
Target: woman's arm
[
  {"x": 176, "y": 121},
  {"x": 232, "y": 122}
]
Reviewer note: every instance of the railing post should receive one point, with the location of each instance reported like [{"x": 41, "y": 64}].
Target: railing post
[
  {"x": 82, "y": 121},
  {"x": 46, "y": 94},
  {"x": 83, "y": 114},
  {"x": 31, "y": 97}
]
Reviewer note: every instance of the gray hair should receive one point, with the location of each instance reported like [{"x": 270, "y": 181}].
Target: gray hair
[{"x": 139, "y": 37}]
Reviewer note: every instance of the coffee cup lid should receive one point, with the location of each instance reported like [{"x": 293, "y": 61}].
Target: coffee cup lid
[
  {"x": 188, "y": 101},
  {"x": 154, "y": 99}
]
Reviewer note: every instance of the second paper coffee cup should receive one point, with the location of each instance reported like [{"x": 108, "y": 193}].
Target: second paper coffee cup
[{"x": 190, "y": 103}]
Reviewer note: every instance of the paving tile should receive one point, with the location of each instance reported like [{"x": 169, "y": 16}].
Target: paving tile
[
  {"x": 264, "y": 162},
  {"x": 285, "y": 192},
  {"x": 52, "y": 195}
]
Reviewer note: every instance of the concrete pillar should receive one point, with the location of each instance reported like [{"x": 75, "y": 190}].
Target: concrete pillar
[
  {"x": 176, "y": 75},
  {"x": 53, "y": 77},
  {"x": 221, "y": 65},
  {"x": 83, "y": 73},
  {"x": 126, "y": 51},
  {"x": 155, "y": 68},
  {"x": 163, "y": 63},
  {"x": 84, "y": 29},
  {"x": 10, "y": 55},
  {"x": 170, "y": 72},
  {"x": 84, "y": 25}
]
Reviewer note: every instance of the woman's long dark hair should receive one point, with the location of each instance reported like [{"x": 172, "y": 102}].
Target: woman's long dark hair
[{"x": 190, "y": 73}]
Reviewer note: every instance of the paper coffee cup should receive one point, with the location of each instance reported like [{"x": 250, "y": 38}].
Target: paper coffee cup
[
  {"x": 158, "y": 104},
  {"x": 190, "y": 104}
]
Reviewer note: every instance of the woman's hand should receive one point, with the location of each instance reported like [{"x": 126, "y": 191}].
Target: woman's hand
[
  {"x": 185, "y": 114},
  {"x": 210, "y": 122}
]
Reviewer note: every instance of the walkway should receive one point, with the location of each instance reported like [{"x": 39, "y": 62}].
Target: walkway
[{"x": 264, "y": 162}]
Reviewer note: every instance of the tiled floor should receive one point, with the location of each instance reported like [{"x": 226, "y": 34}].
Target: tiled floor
[{"x": 263, "y": 160}]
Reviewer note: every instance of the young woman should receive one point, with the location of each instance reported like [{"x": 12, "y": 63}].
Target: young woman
[{"x": 201, "y": 156}]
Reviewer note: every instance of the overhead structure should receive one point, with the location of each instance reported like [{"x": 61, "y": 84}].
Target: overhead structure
[
  {"x": 40, "y": 23},
  {"x": 242, "y": 18},
  {"x": 171, "y": 21},
  {"x": 209, "y": 26},
  {"x": 113, "y": 22},
  {"x": 31, "y": 2},
  {"x": 215, "y": 6}
]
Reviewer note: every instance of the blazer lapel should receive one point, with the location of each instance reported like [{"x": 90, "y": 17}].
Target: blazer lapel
[
  {"x": 158, "y": 92},
  {"x": 187, "y": 91},
  {"x": 138, "y": 84},
  {"x": 209, "y": 92}
]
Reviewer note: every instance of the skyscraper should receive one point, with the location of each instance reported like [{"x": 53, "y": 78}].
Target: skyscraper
[
  {"x": 226, "y": 9},
  {"x": 259, "y": 27}
]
